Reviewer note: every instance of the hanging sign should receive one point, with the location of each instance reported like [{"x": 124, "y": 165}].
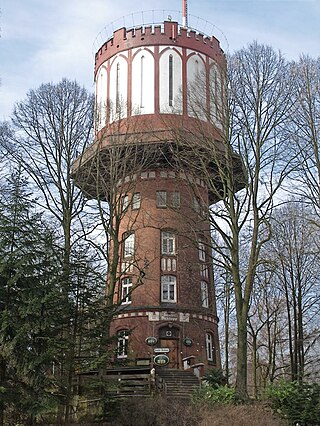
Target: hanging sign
[
  {"x": 187, "y": 341},
  {"x": 161, "y": 360},
  {"x": 151, "y": 341}
]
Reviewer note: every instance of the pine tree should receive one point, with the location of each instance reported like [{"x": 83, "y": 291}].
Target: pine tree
[{"x": 30, "y": 301}]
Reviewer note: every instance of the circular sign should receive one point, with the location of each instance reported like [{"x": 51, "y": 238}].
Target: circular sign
[
  {"x": 187, "y": 341},
  {"x": 161, "y": 360},
  {"x": 151, "y": 340}
]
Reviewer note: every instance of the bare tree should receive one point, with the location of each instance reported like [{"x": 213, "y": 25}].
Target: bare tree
[
  {"x": 238, "y": 147},
  {"x": 305, "y": 129},
  {"x": 294, "y": 249}
]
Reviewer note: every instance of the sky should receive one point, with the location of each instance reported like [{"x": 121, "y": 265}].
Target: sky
[{"x": 46, "y": 40}]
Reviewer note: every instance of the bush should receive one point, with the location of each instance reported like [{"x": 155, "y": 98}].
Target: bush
[
  {"x": 219, "y": 395},
  {"x": 239, "y": 415},
  {"x": 299, "y": 403},
  {"x": 216, "y": 377}
]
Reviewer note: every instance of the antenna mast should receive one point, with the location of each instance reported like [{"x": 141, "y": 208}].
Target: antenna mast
[{"x": 184, "y": 13}]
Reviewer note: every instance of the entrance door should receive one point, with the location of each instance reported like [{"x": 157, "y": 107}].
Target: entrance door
[{"x": 173, "y": 353}]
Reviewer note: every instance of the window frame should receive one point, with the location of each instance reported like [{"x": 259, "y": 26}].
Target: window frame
[
  {"x": 175, "y": 199},
  {"x": 123, "y": 344},
  {"x": 210, "y": 349},
  {"x": 204, "y": 294},
  {"x": 128, "y": 246},
  {"x": 126, "y": 291},
  {"x": 124, "y": 203},
  {"x": 169, "y": 286},
  {"x": 201, "y": 251},
  {"x": 168, "y": 238},
  {"x": 136, "y": 201},
  {"x": 161, "y": 199}
]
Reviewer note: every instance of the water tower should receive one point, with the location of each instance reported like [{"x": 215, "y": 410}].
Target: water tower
[{"x": 164, "y": 276}]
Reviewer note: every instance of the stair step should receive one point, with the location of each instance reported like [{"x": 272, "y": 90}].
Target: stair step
[{"x": 178, "y": 383}]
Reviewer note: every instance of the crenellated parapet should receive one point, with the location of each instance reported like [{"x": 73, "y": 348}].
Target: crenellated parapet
[{"x": 170, "y": 33}]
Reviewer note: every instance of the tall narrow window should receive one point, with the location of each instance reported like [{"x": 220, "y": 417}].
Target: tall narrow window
[
  {"x": 168, "y": 243},
  {"x": 124, "y": 203},
  {"x": 129, "y": 245},
  {"x": 118, "y": 87},
  {"x": 141, "y": 82},
  {"x": 123, "y": 340},
  {"x": 136, "y": 201},
  {"x": 126, "y": 290},
  {"x": 161, "y": 199},
  {"x": 209, "y": 347},
  {"x": 175, "y": 199},
  {"x": 202, "y": 251},
  {"x": 204, "y": 295},
  {"x": 170, "y": 80},
  {"x": 168, "y": 288}
]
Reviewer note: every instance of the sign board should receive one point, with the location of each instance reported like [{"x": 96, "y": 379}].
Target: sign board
[
  {"x": 161, "y": 350},
  {"x": 161, "y": 360},
  {"x": 187, "y": 341},
  {"x": 151, "y": 340}
]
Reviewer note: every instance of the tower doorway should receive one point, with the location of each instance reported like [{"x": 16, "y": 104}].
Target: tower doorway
[{"x": 169, "y": 337}]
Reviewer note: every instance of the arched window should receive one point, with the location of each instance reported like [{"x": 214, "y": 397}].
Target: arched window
[
  {"x": 170, "y": 80},
  {"x": 142, "y": 82},
  {"x": 123, "y": 341},
  {"x": 118, "y": 87}
]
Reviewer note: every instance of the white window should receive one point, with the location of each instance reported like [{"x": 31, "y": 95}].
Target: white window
[
  {"x": 204, "y": 271},
  {"x": 168, "y": 264},
  {"x": 168, "y": 288},
  {"x": 168, "y": 243},
  {"x": 209, "y": 347},
  {"x": 202, "y": 251},
  {"x": 123, "y": 340},
  {"x": 175, "y": 199},
  {"x": 126, "y": 267},
  {"x": 129, "y": 245},
  {"x": 161, "y": 199},
  {"x": 126, "y": 285},
  {"x": 124, "y": 202},
  {"x": 136, "y": 201},
  {"x": 204, "y": 294}
]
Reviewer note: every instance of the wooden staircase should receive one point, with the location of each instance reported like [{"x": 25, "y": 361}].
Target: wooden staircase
[{"x": 176, "y": 383}]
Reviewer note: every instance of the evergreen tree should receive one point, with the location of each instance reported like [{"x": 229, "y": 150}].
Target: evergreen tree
[{"x": 30, "y": 301}]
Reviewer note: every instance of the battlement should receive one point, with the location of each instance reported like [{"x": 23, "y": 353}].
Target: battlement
[{"x": 167, "y": 33}]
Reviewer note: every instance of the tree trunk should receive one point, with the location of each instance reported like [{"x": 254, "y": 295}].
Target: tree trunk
[{"x": 241, "y": 380}]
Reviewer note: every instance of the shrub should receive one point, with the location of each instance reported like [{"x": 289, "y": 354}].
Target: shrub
[
  {"x": 299, "y": 403},
  {"x": 219, "y": 395},
  {"x": 216, "y": 377}
]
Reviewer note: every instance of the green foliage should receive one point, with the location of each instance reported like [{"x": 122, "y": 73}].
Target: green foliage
[
  {"x": 216, "y": 377},
  {"x": 299, "y": 403},
  {"x": 217, "y": 395}
]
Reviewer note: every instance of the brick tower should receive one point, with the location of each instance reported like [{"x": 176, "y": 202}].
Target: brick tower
[{"x": 161, "y": 266}]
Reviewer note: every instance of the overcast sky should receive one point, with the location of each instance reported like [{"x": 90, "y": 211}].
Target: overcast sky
[{"x": 45, "y": 40}]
